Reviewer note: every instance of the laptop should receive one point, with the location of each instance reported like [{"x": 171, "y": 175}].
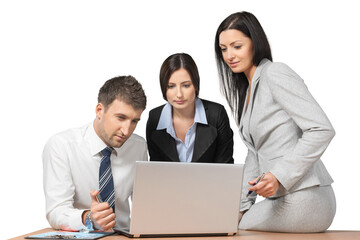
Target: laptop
[{"x": 185, "y": 199}]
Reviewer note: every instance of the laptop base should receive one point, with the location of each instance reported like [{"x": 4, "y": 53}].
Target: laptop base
[{"x": 129, "y": 235}]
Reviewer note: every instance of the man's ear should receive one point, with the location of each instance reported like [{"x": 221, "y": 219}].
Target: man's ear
[{"x": 99, "y": 110}]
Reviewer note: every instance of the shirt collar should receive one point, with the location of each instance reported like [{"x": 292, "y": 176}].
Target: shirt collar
[
  {"x": 200, "y": 116},
  {"x": 165, "y": 120},
  {"x": 95, "y": 143}
]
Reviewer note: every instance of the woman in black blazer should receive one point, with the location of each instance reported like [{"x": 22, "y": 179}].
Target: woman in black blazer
[{"x": 187, "y": 128}]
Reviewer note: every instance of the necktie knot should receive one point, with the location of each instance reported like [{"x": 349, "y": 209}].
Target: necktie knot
[{"x": 106, "y": 152}]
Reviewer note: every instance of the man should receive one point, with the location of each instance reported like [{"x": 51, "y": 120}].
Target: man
[{"x": 77, "y": 162}]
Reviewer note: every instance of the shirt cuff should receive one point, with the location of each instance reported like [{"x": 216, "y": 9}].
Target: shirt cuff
[{"x": 75, "y": 220}]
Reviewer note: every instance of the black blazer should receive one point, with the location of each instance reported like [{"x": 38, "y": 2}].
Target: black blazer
[{"x": 213, "y": 142}]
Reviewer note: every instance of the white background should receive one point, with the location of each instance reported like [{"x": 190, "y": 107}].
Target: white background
[{"x": 55, "y": 55}]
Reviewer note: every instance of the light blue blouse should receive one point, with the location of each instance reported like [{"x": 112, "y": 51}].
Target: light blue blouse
[{"x": 185, "y": 149}]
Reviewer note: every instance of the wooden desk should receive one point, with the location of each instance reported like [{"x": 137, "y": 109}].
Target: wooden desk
[{"x": 245, "y": 235}]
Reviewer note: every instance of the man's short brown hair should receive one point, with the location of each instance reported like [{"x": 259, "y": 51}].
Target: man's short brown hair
[{"x": 123, "y": 88}]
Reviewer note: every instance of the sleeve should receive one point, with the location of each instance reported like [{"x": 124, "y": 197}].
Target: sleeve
[
  {"x": 290, "y": 92},
  {"x": 59, "y": 188},
  {"x": 251, "y": 171},
  {"x": 145, "y": 153},
  {"x": 144, "y": 157},
  {"x": 154, "y": 154},
  {"x": 225, "y": 142}
]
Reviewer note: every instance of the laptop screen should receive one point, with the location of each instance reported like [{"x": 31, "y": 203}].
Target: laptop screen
[{"x": 185, "y": 198}]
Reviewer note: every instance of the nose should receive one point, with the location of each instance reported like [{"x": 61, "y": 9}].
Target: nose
[
  {"x": 230, "y": 54},
  {"x": 126, "y": 128},
  {"x": 179, "y": 93}
]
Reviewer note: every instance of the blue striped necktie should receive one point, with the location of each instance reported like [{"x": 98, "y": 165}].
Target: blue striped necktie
[{"x": 106, "y": 183}]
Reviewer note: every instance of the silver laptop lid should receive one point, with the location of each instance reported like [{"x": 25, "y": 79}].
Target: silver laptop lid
[{"x": 185, "y": 198}]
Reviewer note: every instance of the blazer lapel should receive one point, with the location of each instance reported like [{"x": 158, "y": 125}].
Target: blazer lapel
[
  {"x": 205, "y": 136},
  {"x": 254, "y": 84},
  {"x": 166, "y": 144}
]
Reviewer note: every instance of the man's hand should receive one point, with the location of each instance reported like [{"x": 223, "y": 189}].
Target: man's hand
[
  {"x": 102, "y": 213},
  {"x": 267, "y": 187}
]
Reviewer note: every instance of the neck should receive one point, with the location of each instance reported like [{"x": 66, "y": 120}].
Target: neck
[
  {"x": 96, "y": 128},
  {"x": 250, "y": 73},
  {"x": 98, "y": 132}
]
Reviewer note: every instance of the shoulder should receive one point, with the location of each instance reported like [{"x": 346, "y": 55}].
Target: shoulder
[
  {"x": 214, "y": 111},
  {"x": 156, "y": 112},
  {"x": 135, "y": 144},
  {"x": 277, "y": 68},
  {"x": 136, "y": 139},
  {"x": 212, "y": 106},
  {"x": 63, "y": 142},
  {"x": 279, "y": 73},
  {"x": 154, "y": 116},
  {"x": 68, "y": 136},
  {"x": 157, "y": 109}
]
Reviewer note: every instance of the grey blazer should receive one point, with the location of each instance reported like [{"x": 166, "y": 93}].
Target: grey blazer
[{"x": 285, "y": 130}]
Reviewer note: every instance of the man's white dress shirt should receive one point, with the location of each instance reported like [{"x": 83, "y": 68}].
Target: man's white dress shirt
[{"x": 71, "y": 161}]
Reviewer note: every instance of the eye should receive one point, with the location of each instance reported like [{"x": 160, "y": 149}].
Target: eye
[
  {"x": 237, "y": 47},
  {"x": 170, "y": 86},
  {"x": 223, "y": 49},
  {"x": 121, "y": 118},
  {"x": 186, "y": 85}
]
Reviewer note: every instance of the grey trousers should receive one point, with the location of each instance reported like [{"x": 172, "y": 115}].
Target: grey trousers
[{"x": 308, "y": 210}]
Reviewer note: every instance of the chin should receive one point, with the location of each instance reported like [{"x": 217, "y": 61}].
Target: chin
[
  {"x": 181, "y": 107},
  {"x": 235, "y": 70},
  {"x": 117, "y": 144}
]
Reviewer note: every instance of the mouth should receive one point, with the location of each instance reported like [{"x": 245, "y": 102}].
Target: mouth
[
  {"x": 180, "y": 102},
  {"x": 121, "y": 138},
  {"x": 233, "y": 64}
]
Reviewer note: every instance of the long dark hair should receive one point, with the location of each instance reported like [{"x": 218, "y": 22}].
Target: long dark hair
[
  {"x": 234, "y": 85},
  {"x": 175, "y": 62}
]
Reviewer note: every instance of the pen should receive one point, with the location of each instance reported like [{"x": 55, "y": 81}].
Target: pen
[
  {"x": 98, "y": 198},
  {"x": 259, "y": 179}
]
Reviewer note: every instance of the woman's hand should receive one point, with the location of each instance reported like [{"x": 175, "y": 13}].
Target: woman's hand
[
  {"x": 267, "y": 187},
  {"x": 240, "y": 215}
]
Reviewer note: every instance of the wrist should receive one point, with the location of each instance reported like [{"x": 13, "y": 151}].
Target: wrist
[
  {"x": 89, "y": 222},
  {"x": 83, "y": 216}
]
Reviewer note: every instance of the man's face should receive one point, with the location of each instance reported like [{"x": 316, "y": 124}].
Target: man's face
[{"x": 115, "y": 125}]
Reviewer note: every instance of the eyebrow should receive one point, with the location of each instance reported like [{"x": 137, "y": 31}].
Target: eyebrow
[
  {"x": 237, "y": 41},
  {"x": 181, "y": 82},
  {"x": 121, "y": 114},
  {"x": 126, "y": 116}
]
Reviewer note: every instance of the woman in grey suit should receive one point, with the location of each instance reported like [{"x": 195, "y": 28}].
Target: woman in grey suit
[{"x": 284, "y": 128}]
